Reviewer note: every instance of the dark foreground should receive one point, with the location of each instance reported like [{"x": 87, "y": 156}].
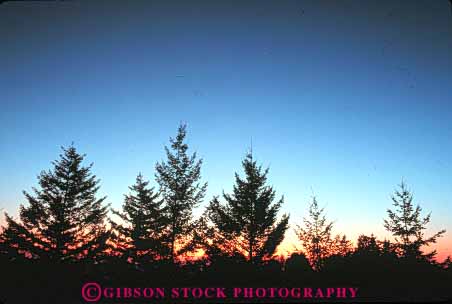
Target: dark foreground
[{"x": 224, "y": 282}]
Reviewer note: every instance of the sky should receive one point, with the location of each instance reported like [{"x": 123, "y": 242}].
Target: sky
[{"x": 341, "y": 100}]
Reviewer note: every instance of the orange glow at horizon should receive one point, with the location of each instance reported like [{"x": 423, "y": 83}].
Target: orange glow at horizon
[{"x": 291, "y": 244}]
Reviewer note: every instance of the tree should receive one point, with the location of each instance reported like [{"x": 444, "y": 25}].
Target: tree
[
  {"x": 407, "y": 226},
  {"x": 247, "y": 223},
  {"x": 142, "y": 236},
  {"x": 342, "y": 246},
  {"x": 447, "y": 263},
  {"x": 368, "y": 245},
  {"x": 179, "y": 180},
  {"x": 64, "y": 220},
  {"x": 297, "y": 263},
  {"x": 315, "y": 236}
]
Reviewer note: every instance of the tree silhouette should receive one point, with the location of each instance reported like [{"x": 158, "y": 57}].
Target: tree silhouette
[
  {"x": 368, "y": 245},
  {"x": 297, "y": 263},
  {"x": 64, "y": 220},
  {"x": 247, "y": 223},
  {"x": 407, "y": 226},
  {"x": 447, "y": 263},
  {"x": 315, "y": 236},
  {"x": 342, "y": 246},
  {"x": 178, "y": 178},
  {"x": 142, "y": 237}
]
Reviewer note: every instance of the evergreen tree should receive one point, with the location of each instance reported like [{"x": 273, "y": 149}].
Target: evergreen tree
[
  {"x": 368, "y": 245},
  {"x": 407, "y": 226},
  {"x": 315, "y": 236},
  {"x": 247, "y": 224},
  {"x": 388, "y": 249},
  {"x": 447, "y": 263},
  {"x": 296, "y": 264},
  {"x": 179, "y": 180},
  {"x": 142, "y": 235},
  {"x": 64, "y": 220},
  {"x": 342, "y": 246}
]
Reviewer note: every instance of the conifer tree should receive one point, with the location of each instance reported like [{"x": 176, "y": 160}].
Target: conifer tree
[
  {"x": 246, "y": 225},
  {"x": 342, "y": 246},
  {"x": 64, "y": 221},
  {"x": 179, "y": 180},
  {"x": 297, "y": 263},
  {"x": 141, "y": 237},
  {"x": 388, "y": 249},
  {"x": 447, "y": 263},
  {"x": 368, "y": 245},
  {"x": 315, "y": 236},
  {"x": 407, "y": 226}
]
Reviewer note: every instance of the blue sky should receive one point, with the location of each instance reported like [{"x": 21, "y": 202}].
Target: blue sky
[{"x": 341, "y": 100}]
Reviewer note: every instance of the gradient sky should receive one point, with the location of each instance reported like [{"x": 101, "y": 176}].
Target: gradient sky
[{"x": 341, "y": 100}]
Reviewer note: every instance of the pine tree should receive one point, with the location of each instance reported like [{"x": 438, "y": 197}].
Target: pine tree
[
  {"x": 247, "y": 224},
  {"x": 179, "y": 180},
  {"x": 141, "y": 237},
  {"x": 315, "y": 236},
  {"x": 407, "y": 226},
  {"x": 64, "y": 220}
]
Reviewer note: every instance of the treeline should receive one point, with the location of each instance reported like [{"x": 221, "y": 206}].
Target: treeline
[{"x": 65, "y": 225}]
